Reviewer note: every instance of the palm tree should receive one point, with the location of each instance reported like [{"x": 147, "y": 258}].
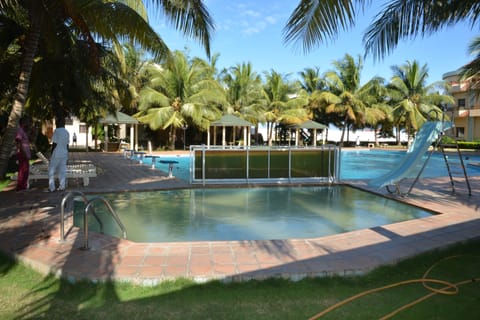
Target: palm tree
[
  {"x": 284, "y": 103},
  {"x": 345, "y": 97},
  {"x": 178, "y": 93},
  {"x": 244, "y": 91},
  {"x": 378, "y": 111},
  {"x": 315, "y": 21},
  {"x": 89, "y": 20},
  {"x": 311, "y": 80},
  {"x": 413, "y": 100}
]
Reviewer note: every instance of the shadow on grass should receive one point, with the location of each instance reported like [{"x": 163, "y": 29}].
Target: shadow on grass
[{"x": 51, "y": 298}]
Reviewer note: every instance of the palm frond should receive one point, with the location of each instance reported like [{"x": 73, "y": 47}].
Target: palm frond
[
  {"x": 111, "y": 20},
  {"x": 408, "y": 19},
  {"x": 189, "y": 16},
  {"x": 316, "y": 21}
]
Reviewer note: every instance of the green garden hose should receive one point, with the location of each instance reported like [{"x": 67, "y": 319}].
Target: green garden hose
[{"x": 448, "y": 289}]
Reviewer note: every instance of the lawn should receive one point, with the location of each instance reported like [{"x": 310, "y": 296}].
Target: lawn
[{"x": 26, "y": 294}]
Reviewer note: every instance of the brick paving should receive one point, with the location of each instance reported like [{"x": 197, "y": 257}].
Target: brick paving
[{"x": 30, "y": 231}]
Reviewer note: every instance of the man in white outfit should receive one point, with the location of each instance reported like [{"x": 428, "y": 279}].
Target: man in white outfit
[{"x": 58, "y": 160}]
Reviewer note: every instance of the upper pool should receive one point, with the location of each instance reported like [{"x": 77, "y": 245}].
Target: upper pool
[
  {"x": 354, "y": 164},
  {"x": 266, "y": 213}
]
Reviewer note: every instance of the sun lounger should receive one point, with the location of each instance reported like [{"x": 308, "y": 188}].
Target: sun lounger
[
  {"x": 85, "y": 172},
  {"x": 76, "y": 169}
]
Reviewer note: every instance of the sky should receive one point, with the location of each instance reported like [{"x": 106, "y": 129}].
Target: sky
[{"x": 252, "y": 31}]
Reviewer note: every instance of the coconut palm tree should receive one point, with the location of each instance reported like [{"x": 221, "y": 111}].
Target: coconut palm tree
[
  {"x": 179, "y": 92},
  {"x": 285, "y": 104},
  {"x": 244, "y": 91},
  {"x": 315, "y": 22},
  {"x": 414, "y": 100},
  {"x": 89, "y": 20},
  {"x": 378, "y": 112},
  {"x": 343, "y": 97},
  {"x": 311, "y": 80}
]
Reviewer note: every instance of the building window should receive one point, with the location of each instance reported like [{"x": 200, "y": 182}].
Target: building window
[
  {"x": 82, "y": 128},
  {"x": 460, "y": 132},
  {"x": 68, "y": 121},
  {"x": 461, "y": 103}
]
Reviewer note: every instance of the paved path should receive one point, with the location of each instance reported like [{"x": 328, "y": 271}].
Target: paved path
[{"x": 29, "y": 230}]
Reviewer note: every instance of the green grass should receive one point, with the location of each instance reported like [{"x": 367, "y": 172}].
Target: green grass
[{"x": 27, "y": 294}]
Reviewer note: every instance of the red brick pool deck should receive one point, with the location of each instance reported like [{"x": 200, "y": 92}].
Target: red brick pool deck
[{"x": 30, "y": 231}]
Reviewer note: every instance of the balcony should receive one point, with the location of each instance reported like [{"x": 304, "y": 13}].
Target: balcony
[
  {"x": 459, "y": 87},
  {"x": 461, "y": 113},
  {"x": 474, "y": 113}
]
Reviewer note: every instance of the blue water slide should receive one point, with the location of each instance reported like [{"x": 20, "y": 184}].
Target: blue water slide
[{"x": 409, "y": 166}]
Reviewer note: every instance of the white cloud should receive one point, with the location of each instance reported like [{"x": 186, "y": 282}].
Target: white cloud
[
  {"x": 271, "y": 19},
  {"x": 247, "y": 18},
  {"x": 251, "y": 13}
]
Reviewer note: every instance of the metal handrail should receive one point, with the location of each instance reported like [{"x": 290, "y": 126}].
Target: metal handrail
[
  {"x": 112, "y": 212},
  {"x": 70, "y": 195}
]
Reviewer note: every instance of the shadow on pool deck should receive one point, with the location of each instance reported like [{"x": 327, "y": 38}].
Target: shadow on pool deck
[{"x": 29, "y": 231}]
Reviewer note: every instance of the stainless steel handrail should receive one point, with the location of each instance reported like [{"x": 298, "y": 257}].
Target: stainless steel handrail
[
  {"x": 112, "y": 212},
  {"x": 67, "y": 197}
]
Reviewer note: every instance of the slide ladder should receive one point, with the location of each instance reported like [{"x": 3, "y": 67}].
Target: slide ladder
[{"x": 455, "y": 167}]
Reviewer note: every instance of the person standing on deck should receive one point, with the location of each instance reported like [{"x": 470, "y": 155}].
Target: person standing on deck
[
  {"x": 23, "y": 154},
  {"x": 58, "y": 160}
]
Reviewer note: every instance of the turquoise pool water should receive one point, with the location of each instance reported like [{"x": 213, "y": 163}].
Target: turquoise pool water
[
  {"x": 368, "y": 164},
  {"x": 355, "y": 164},
  {"x": 212, "y": 214}
]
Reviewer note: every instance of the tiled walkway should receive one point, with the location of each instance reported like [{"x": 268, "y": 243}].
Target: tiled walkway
[{"x": 29, "y": 230}]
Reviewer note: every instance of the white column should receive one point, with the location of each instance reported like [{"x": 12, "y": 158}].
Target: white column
[
  {"x": 132, "y": 136},
  {"x": 105, "y": 137},
  {"x": 314, "y": 137},
  {"x": 245, "y": 136},
  {"x": 136, "y": 137},
  {"x": 224, "y": 142}
]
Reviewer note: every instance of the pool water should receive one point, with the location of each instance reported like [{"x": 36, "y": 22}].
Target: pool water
[
  {"x": 369, "y": 164},
  {"x": 248, "y": 213},
  {"x": 355, "y": 164}
]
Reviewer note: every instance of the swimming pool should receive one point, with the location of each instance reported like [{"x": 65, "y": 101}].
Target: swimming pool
[
  {"x": 354, "y": 164},
  {"x": 214, "y": 214}
]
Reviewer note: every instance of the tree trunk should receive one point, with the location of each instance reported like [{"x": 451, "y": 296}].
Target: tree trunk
[
  {"x": 398, "y": 136},
  {"x": 173, "y": 137},
  {"x": 269, "y": 132},
  {"x": 8, "y": 140},
  {"x": 343, "y": 130},
  {"x": 399, "y": 142}
]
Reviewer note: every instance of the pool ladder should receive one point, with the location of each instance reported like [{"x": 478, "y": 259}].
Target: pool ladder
[{"x": 88, "y": 208}]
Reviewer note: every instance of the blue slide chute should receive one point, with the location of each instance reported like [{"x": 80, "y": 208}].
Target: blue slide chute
[{"x": 408, "y": 167}]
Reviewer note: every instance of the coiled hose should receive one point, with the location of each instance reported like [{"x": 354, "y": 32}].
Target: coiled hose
[{"x": 448, "y": 289}]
